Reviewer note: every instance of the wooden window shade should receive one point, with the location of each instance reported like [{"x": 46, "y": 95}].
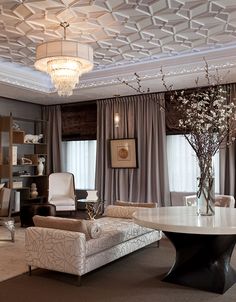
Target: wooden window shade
[{"x": 79, "y": 121}]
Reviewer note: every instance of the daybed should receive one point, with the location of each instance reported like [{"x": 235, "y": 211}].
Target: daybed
[{"x": 75, "y": 252}]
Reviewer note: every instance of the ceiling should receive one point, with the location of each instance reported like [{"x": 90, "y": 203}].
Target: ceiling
[{"x": 127, "y": 36}]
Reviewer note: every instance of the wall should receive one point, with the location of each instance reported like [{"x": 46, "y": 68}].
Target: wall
[{"x": 19, "y": 109}]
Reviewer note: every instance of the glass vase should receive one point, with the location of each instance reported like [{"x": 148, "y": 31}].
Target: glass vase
[{"x": 206, "y": 196}]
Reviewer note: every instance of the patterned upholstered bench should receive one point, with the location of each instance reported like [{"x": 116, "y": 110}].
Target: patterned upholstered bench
[{"x": 70, "y": 251}]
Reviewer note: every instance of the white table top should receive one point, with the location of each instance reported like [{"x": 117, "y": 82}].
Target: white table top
[
  {"x": 184, "y": 219},
  {"x": 87, "y": 200}
]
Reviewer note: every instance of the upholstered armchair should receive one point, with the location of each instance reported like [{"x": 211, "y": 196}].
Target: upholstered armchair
[
  {"x": 220, "y": 201},
  {"x": 62, "y": 191},
  {"x": 5, "y": 212}
]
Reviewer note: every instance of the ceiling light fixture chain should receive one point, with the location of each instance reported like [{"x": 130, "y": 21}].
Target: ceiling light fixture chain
[{"x": 64, "y": 25}]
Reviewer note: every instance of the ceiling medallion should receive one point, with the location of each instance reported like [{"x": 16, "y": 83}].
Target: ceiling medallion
[{"x": 65, "y": 61}]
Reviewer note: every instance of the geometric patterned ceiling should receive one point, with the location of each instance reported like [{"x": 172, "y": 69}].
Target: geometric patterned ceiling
[
  {"x": 124, "y": 34},
  {"x": 119, "y": 31}
]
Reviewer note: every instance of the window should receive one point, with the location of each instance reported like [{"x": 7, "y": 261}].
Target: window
[
  {"x": 79, "y": 158},
  {"x": 183, "y": 166}
]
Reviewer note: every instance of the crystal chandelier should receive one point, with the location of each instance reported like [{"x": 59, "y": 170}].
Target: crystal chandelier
[{"x": 65, "y": 61}]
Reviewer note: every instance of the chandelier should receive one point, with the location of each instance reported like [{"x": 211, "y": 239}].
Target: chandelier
[{"x": 65, "y": 61}]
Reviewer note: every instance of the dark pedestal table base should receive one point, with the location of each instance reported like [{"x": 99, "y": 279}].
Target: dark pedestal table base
[{"x": 202, "y": 261}]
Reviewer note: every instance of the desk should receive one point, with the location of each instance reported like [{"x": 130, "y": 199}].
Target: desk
[{"x": 203, "y": 244}]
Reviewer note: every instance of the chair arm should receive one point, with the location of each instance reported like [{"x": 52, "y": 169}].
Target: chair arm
[{"x": 54, "y": 249}]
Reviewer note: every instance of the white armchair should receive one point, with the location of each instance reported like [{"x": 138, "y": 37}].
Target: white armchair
[
  {"x": 220, "y": 201},
  {"x": 62, "y": 191}
]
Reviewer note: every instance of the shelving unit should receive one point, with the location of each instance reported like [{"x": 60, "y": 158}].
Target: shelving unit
[{"x": 20, "y": 175}]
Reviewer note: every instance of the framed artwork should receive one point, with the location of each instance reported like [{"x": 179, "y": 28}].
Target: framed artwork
[{"x": 123, "y": 153}]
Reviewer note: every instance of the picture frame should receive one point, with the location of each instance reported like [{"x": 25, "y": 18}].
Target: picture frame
[{"x": 123, "y": 153}]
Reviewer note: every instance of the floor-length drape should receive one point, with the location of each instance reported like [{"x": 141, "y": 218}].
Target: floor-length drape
[
  {"x": 53, "y": 115},
  {"x": 140, "y": 118},
  {"x": 227, "y": 156}
]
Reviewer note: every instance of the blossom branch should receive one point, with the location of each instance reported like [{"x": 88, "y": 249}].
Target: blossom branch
[{"x": 139, "y": 88}]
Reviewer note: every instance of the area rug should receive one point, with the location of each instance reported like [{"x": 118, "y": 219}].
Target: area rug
[
  {"x": 12, "y": 254},
  {"x": 133, "y": 278}
]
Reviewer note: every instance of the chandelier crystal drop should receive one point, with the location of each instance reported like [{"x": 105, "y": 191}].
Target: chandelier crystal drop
[
  {"x": 64, "y": 74},
  {"x": 65, "y": 61}
]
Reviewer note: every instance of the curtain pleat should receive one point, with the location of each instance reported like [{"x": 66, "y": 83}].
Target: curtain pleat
[
  {"x": 227, "y": 156},
  {"x": 53, "y": 115},
  {"x": 142, "y": 119}
]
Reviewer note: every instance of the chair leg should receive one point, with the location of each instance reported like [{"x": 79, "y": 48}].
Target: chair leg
[
  {"x": 13, "y": 236},
  {"x": 78, "y": 280},
  {"x": 29, "y": 271},
  {"x": 158, "y": 243}
]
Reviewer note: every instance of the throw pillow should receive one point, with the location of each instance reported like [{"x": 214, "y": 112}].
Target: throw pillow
[
  {"x": 135, "y": 204},
  {"x": 60, "y": 223},
  {"x": 94, "y": 229},
  {"x": 119, "y": 211}
]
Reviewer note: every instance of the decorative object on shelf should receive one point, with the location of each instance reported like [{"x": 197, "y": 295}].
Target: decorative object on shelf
[
  {"x": 25, "y": 161},
  {"x": 33, "y": 190},
  {"x": 123, "y": 153},
  {"x": 14, "y": 155},
  {"x": 65, "y": 61},
  {"x": 17, "y": 184},
  {"x": 15, "y": 127},
  {"x": 33, "y": 139},
  {"x": 21, "y": 173},
  {"x": 40, "y": 167},
  {"x": 208, "y": 124}
]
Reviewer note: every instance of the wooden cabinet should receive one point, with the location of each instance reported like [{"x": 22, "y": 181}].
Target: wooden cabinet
[{"x": 20, "y": 152}]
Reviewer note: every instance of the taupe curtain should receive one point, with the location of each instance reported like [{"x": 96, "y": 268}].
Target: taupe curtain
[
  {"x": 227, "y": 156},
  {"x": 142, "y": 119},
  {"x": 53, "y": 115}
]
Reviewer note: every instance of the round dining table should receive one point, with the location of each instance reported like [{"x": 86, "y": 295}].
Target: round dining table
[{"x": 203, "y": 244}]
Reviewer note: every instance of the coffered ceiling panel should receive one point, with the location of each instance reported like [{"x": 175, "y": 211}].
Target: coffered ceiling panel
[{"x": 121, "y": 32}]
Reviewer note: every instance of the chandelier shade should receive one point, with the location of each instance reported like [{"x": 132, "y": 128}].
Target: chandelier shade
[{"x": 65, "y": 61}]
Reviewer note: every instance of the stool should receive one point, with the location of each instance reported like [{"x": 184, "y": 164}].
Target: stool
[{"x": 29, "y": 210}]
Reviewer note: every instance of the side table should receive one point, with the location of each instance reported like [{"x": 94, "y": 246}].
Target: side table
[{"x": 93, "y": 207}]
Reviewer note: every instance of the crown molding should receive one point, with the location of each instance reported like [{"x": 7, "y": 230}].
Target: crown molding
[
  {"x": 186, "y": 64},
  {"x": 25, "y": 77}
]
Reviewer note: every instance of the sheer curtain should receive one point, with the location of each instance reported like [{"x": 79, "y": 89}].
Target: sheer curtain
[
  {"x": 183, "y": 166},
  {"x": 79, "y": 158},
  {"x": 141, "y": 117}
]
